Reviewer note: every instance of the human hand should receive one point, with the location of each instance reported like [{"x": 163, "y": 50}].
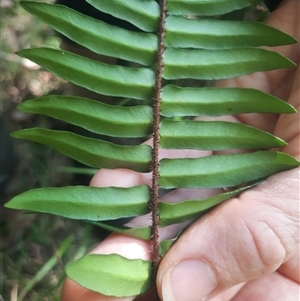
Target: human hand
[{"x": 248, "y": 247}]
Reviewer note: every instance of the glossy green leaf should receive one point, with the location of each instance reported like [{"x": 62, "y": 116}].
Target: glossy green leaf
[
  {"x": 214, "y": 135},
  {"x": 140, "y": 232},
  {"x": 111, "y": 275},
  {"x": 97, "y": 117},
  {"x": 85, "y": 203},
  {"x": 206, "y": 8},
  {"x": 96, "y": 76},
  {"x": 191, "y": 209},
  {"x": 144, "y": 14},
  {"x": 220, "y": 64},
  {"x": 222, "y": 170},
  {"x": 177, "y": 101},
  {"x": 215, "y": 34},
  {"x": 96, "y": 35},
  {"x": 90, "y": 151}
]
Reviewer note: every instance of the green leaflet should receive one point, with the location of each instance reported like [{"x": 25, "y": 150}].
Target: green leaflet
[
  {"x": 222, "y": 170},
  {"x": 94, "y": 116},
  {"x": 111, "y": 275},
  {"x": 85, "y": 203},
  {"x": 165, "y": 245},
  {"x": 98, "y": 77},
  {"x": 178, "y": 101},
  {"x": 214, "y": 135},
  {"x": 90, "y": 151},
  {"x": 220, "y": 64},
  {"x": 191, "y": 209},
  {"x": 141, "y": 232},
  {"x": 206, "y": 8},
  {"x": 144, "y": 14},
  {"x": 96, "y": 35},
  {"x": 215, "y": 34}
]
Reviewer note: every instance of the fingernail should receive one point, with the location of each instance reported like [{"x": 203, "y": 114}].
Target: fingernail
[{"x": 190, "y": 280}]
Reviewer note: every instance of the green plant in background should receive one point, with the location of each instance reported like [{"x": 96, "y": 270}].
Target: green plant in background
[{"x": 175, "y": 40}]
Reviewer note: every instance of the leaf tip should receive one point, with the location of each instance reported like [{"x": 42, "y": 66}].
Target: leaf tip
[
  {"x": 16, "y": 134},
  {"x": 12, "y": 204}
]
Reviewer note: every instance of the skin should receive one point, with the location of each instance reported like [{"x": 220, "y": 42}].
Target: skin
[{"x": 263, "y": 263}]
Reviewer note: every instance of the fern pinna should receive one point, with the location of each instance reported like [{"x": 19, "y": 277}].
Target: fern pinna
[{"x": 175, "y": 44}]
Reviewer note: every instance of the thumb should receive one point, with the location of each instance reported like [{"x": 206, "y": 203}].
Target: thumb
[{"x": 241, "y": 240}]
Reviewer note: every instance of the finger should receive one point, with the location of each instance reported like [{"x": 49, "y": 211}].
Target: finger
[
  {"x": 71, "y": 291},
  {"x": 228, "y": 294},
  {"x": 288, "y": 127},
  {"x": 268, "y": 288},
  {"x": 119, "y": 178},
  {"x": 290, "y": 268},
  {"x": 230, "y": 246}
]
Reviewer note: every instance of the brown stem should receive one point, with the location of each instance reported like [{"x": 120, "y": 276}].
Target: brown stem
[{"x": 155, "y": 162}]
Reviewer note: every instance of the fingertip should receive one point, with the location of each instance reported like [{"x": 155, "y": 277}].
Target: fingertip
[
  {"x": 126, "y": 246},
  {"x": 234, "y": 243},
  {"x": 71, "y": 291},
  {"x": 119, "y": 178}
]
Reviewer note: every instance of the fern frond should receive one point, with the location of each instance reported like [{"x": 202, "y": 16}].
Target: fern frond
[{"x": 169, "y": 42}]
